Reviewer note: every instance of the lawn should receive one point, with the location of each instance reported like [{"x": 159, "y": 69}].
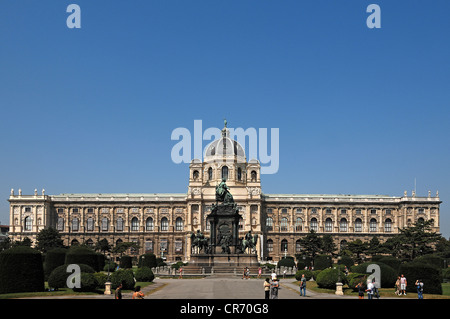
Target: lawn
[
  {"x": 384, "y": 292},
  {"x": 62, "y": 292}
]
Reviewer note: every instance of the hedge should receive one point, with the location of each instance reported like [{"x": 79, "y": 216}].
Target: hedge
[
  {"x": 54, "y": 258},
  {"x": 126, "y": 262},
  {"x": 58, "y": 277},
  {"x": 355, "y": 278},
  {"x": 434, "y": 260},
  {"x": 147, "y": 260},
  {"x": 388, "y": 274},
  {"x": 322, "y": 262},
  {"x": 88, "y": 283},
  {"x": 308, "y": 274},
  {"x": 144, "y": 274},
  {"x": 21, "y": 270},
  {"x": 286, "y": 262},
  {"x": 430, "y": 275},
  {"x": 328, "y": 278},
  {"x": 124, "y": 276},
  {"x": 83, "y": 255}
]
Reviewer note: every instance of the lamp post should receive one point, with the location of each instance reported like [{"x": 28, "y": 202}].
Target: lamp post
[{"x": 339, "y": 290}]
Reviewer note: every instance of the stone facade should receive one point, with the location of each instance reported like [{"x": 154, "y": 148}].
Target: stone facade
[{"x": 163, "y": 223}]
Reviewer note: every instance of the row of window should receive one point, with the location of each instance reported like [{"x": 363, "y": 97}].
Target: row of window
[
  {"x": 148, "y": 245},
  {"x": 224, "y": 171},
  {"x": 343, "y": 224},
  {"x": 298, "y": 248},
  {"x": 104, "y": 224},
  {"x": 315, "y": 210}
]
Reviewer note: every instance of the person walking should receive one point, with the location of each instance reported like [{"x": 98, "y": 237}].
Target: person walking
[
  {"x": 397, "y": 286},
  {"x": 181, "y": 273},
  {"x": 259, "y": 272},
  {"x": 403, "y": 284},
  {"x": 267, "y": 288},
  {"x": 360, "y": 287},
  {"x": 419, "y": 285},
  {"x": 118, "y": 293},
  {"x": 303, "y": 286}
]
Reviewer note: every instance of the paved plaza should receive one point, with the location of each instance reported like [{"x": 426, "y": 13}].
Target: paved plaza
[{"x": 215, "y": 287}]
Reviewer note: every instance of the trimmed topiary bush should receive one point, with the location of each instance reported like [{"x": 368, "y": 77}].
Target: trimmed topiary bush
[
  {"x": 391, "y": 261},
  {"x": 102, "y": 278},
  {"x": 144, "y": 274},
  {"x": 82, "y": 255},
  {"x": 147, "y": 260},
  {"x": 286, "y": 262},
  {"x": 347, "y": 261},
  {"x": 88, "y": 283},
  {"x": 322, "y": 262},
  {"x": 308, "y": 274},
  {"x": 126, "y": 262},
  {"x": 388, "y": 274},
  {"x": 124, "y": 276},
  {"x": 328, "y": 278},
  {"x": 354, "y": 278},
  {"x": 58, "y": 277},
  {"x": 54, "y": 258},
  {"x": 434, "y": 260},
  {"x": 430, "y": 275},
  {"x": 21, "y": 270}
]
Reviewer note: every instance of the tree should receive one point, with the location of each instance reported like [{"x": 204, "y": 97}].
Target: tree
[
  {"x": 312, "y": 244},
  {"x": 418, "y": 240},
  {"x": 328, "y": 245},
  {"x": 103, "y": 246},
  {"x": 123, "y": 247},
  {"x": 357, "y": 248},
  {"x": 48, "y": 238}
]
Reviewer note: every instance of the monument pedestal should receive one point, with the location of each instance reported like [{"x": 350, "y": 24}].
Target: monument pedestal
[{"x": 231, "y": 260}]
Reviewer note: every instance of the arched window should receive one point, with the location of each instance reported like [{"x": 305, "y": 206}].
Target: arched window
[
  {"x": 60, "y": 224},
  {"x": 328, "y": 225},
  {"x": 90, "y": 224},
  {"x": 134, "y": 224},
  {"x": 373, "y": 225},
  {"x": 298, "y": 224},
  {"x": 195, "y": 175},
  {"x": 284, "y": 224},
  {"x": 105, "y": 224},
  {"x": 74, "y": 242},
  {"x": 239, "y": 174},
  {"x": 75, "y": 224},
  {"x": 119, "y": 224},
  {"x": 164, "y": 224},
  {"x": 358, "y": 225},
  {"x": 388, "y": 225},
  {"x": 90, "y": 242},
  {"x": 284, "y": 245},
  {"x": 343, "y": 225},
  {"x": 269, "y": 223},
  {"x": 313, "y": 225},
  {"x": 420, "y": 220},
  {"x": 149, "y": 224},
  {"x": 210, "y": 171},
  {"x": 224, "y": 172},
  {"x": 28, "y": 222},
  {"x": 179, "y": 224},
  {"x": 253, "y": 176}
]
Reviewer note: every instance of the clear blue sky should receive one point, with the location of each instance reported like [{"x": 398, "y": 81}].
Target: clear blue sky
[{"x": 91, "y": 110}]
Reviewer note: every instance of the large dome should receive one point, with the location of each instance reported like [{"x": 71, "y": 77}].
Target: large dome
[{"x": 224, "y": 147}]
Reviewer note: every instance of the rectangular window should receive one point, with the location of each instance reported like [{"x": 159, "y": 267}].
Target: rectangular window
[{"x": 373, "y": 211}]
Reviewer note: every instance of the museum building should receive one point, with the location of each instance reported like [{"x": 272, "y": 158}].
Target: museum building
[{"x": 162, "y": 223}]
